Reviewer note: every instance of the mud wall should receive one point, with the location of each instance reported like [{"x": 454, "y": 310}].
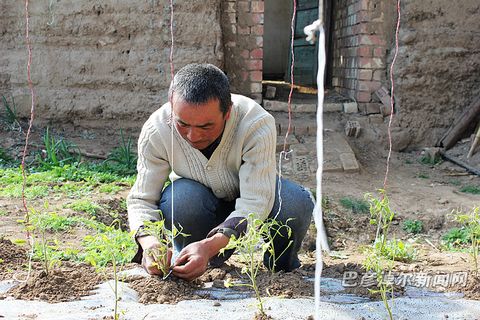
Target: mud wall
[
  {"x": 103, "y": 60},
  {"x": 438, "y": 67}
]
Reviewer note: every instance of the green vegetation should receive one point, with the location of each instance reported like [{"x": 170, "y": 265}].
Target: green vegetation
[
  {"x": 356, "y": 205},
  {"x": 412, "y": 226},
  {"x": 85, "y": 205},
  {"x": 471, "y": 224},
  {"x": 164, "y": 236},
  {"x": 423, "y": 176},
  {"x": 57, "y": 153},
  {"x": 456, "y": 237},
  {"x": 470, "y": 189},
  {"x": 10, "y": 117},
  {"x": 112, "y": 246},
  {"x": 52, "y": 222},
  {"x": 431, "y": 161},
  {"x": 123, "y": 158},
  {"x": 258, "y": 233},
  {"x": 380, "y": 255}
]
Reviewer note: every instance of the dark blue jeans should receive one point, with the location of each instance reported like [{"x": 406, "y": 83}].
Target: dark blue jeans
[{"x": 197, "y": 210}]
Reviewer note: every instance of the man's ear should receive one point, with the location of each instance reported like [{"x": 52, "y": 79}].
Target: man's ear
[{"x": 227, "y": 114}]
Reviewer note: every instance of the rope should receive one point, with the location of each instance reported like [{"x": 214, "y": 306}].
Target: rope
[
  {"x": 391, "y": 98},
  {"x": 25, "y": 149},
  {"x": 172, "y": 70},
  {"x": 284, "y": 153}
]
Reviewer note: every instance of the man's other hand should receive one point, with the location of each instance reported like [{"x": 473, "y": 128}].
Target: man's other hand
[{"x": 152, "y": 258}]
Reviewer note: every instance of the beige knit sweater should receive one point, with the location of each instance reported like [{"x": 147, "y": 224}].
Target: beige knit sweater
[{"x": 242, "y": 167}]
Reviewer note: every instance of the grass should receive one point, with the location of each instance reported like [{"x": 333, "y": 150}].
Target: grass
[
  {"x": 356, "y": 205},
  {"x": 456, "y": 237},
  {"x": 470, "y": 189},
  {"x": 123, "y": 158},
  {"x": 57, "y": 152},
  {"x": 427, "y": 160},
  {"x": 412, "y": 226},
  {"x": 10, "y": 114},
  {"x": 423, "y": 176},
  {"x": 31, "y": 192},
  {"x": 85, "y": 205}
]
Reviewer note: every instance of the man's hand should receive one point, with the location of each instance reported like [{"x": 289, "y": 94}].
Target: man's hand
[
  {"x": 193, "y": 259},
  {"x": 154, "y": 256}
]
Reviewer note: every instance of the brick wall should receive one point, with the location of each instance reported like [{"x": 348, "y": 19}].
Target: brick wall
[
  {"x": 242, "y": 28},
  {"x": 359, "y": 44}
]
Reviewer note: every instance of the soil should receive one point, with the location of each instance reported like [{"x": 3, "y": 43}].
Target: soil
[
  {"x": 66, "y": 283},
  {"x": 427, "y": 193}
]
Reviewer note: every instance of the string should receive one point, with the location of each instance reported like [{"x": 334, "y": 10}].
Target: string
[
  {"x": 172, "y": 70},
  {"x": 284, "y": 153},
  {"x": 25, "y": 149},
  {"x": 391, "y": 98}
]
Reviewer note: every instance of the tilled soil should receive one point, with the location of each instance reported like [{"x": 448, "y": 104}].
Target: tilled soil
[
  {"x": 12, "y": 257},
  {"x": 66, "y": 283}
]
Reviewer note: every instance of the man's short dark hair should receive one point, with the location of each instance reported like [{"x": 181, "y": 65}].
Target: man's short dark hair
[{"x": 198, "y": 83}]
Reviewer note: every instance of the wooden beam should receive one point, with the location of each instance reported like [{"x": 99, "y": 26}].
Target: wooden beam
[{"x": 456, "y": 131}]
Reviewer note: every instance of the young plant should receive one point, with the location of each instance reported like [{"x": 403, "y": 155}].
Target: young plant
[
  {"x": 412, "y": 226},
  {"x": 40, "y": 222},
  {"x": 356, "y": 205},
  {"x": 57, "y": 152},
  {"x": 471, "y": 223},
  {"x": 470, "y": 189},
  {"x": 11, "y": 118},
  {"x": 377, "y": 261},
  {"x": 159, "y": 254},
  {"x": 258, "y": 239},
  {"x": 123, "y": 156},
  {"x": 110, "y": 246}
]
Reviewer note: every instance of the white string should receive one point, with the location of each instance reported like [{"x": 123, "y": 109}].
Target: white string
[{"x": 283, "y": 154}]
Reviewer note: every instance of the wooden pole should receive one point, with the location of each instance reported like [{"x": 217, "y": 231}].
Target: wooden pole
[{"x": 458, "y": 129}]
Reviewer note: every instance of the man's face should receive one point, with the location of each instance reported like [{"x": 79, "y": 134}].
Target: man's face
[{"x": 199, "y": 124}]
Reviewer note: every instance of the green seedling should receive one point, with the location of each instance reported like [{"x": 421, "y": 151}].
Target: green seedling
[
  {"x": 85, "y": 205},
  {"x": 356, "y": 205},
  {"x": 10, "y": 116},
  {"x": 377, "y": 258},
  {"x": 412, "y": 226},
  {"x": 159, "y": 230},
  {"x": 258, "y": 239},
  {"x": 123, "y": 156},
  {"x": 431, "y": 161},
  {"x": 38, "y": 223},
  {"x": 456, "y": 237},
  {"x": 423, "y": 176},
  {"x": 57, "y": 152},
  {"x": 470, "y": 189},
  {"x": 111, "y": 246},
  {"x": 471, "y": 224}
]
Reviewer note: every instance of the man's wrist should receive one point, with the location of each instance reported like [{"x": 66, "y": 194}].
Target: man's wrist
[
  {"x": 147, "y": 241},
  {"x": 215, "y": 243}
]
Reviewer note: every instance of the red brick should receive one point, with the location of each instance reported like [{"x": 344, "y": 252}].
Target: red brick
[
  {"x": 379, "y": 75},
  {"x": 362, "y": 16},
  {"x": 245, "y": 75},
  {"x": 370, "y": 63},
  {"x": 371, "y": 39},
  {"x": 360, "y": 28},
  {"x": 363, "y": 96},
  {"x": 230, "y": 7},
  {"x": 255, "y": 87},
  {"x": 256, "y": 53},
  {"x": 257, "y": 6},
  {"x": 257, "y": 30},
  {"x": 365, "y": 74},
  {"x": 257, "y": 18},
  {"x": 244, "y": 6},
  {"x": 379, "y": 52},
  {"x": 362, "y": 5},
  {"x": 259, "y": 41},
  {"x": 364, "y": 51},
  {"x": 369, "y": 86},
  {"x": 244, "y": 54},
  {"x": 243, "y": 30},
  {"x": 254, "y": 65},
  {"x": 255, "y": 75}
]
